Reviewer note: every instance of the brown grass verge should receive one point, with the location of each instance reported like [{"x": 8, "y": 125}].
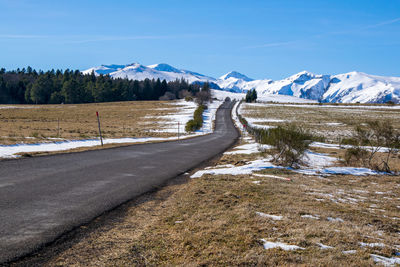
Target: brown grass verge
[
  {"x": 38, "y": 123},
  {"x": 212, "y": 221},
  {"x": 331, "y": 122}
]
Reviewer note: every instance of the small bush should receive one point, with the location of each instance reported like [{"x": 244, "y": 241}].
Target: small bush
[
  {"x": 197, "y": 122},
  {"x": 356, "y": 155},
  {"x": 348, "y": 141},
  {"x": 375, "y": 135},
  {"x": 289, "y": 142}
]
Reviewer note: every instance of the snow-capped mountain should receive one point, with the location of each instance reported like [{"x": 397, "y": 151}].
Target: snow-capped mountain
[
  {"x": 349, "y": 87},
  {"x": 235, "y": 75},
  {"x": 304, "y": 85},
  {"x": 236, "y": 82},
  {"x": 360, "y": 87},
  {"x": 137, "y": 71}
]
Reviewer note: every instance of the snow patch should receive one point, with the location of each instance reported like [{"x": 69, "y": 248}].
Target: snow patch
[
  {"x": 309, "y": 216},
  {"x": 322, "y": 246},
  {"x": 385, "y": 260},
  {"x": 271, "y": 245},
  {"x": 331, "y": 219},
  {"x": 273, "y": 217},
  {"x": 250, "y": 148}
]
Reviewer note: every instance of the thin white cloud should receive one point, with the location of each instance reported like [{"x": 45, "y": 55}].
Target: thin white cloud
[
  {"x": 80, "y": 39},
  {"x": 22, "y": 36},
  {"x": 287, "y": 43},
  {"x": 383, "y": 23},
  {"x": 114, "y": 38},
  {"x": 273, "y": 44}
]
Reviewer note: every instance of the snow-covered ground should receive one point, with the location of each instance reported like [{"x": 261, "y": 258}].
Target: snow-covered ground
[
  {"x": 269, "y": 245},
  {"x": 171, "y": 125},
  {"x": 326, "y": 106},
  {"x": 221, "y": 95},
  {"x": 16, "y": 107},
  {"x": 283, "y": 99},
  {"x": 248, "y": 149},
  {"x": 270, "y": 216},
  {"x": 313, "y": 163},
  {"x": 318, "y": 164}
]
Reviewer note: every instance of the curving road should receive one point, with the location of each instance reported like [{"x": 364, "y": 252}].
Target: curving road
[{"x": 43, "y": 197}]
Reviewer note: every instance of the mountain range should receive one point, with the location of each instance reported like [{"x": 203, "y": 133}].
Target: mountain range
[{"x": 352, "y": 87}]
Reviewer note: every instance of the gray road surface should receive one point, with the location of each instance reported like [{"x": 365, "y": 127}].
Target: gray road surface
[{"x": 43, "y": 197}]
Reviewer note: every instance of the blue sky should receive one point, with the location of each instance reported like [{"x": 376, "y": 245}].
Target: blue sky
[{"x": 262, "y": 39}]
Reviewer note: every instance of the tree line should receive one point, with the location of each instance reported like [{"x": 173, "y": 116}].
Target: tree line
[{"x": 28, "y": 86}]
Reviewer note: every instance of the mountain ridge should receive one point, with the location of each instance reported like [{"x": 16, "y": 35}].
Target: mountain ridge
[{"x": 351, "y": 87}]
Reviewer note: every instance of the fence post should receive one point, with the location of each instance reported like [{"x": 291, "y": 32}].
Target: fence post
[
  {"x": 98, "y": 121},
  {"x": 58, "y": 127}
]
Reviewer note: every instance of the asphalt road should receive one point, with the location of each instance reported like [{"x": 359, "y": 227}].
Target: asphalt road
[{"x": 44, "y": 197}]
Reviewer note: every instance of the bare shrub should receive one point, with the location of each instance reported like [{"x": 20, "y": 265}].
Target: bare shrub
[
  {"x": 289, "y": 142},
  {"x": 356, "y": 156},
  {"x": 377, "y": 136}
]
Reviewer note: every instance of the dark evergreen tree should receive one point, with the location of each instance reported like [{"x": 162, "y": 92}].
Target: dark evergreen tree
[{"x": 55, "y": 86}]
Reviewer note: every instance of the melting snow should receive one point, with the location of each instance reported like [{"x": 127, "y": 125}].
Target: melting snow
[
  {"x": 248, "y": 149},
  {"x": 322, "y": 246},
  {"x": 349, "y": 252},
  {"x": 10, "y": 151},
  {"x": 317, "y": 160},
  {"x": 270, "y": 245},
  {"x": 255, "y": 165},
  {"x": 316, "y": 217},
  {"x": 371, "y": 245},
  {"x": 385, "y": 261},
  {"x": 273, "y": 217},
  {"x": 169, "y": 123},
  {"x": 271, "y": 176},
  {"x": 336, "y": 146},
  {"x": 335, "y": 219}
]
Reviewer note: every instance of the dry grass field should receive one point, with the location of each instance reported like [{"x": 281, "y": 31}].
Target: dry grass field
[
  {"x": 330, "y": 121},
  {"x": 226, "y": 219},
  {"x": 217, "y": 220},
  {"x": 45, "y": 123}
]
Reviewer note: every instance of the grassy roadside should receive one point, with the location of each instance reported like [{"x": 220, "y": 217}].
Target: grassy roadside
[
  {"x": 330, "y": 121},
  {"x": 213, "y": 220},
  {"x": 46, "y": 123},
  {"x": 223, "y": 219}
]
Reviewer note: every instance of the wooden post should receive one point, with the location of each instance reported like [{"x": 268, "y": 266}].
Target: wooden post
[
  {"x": 98, "y": 121},
  {"x": 58, "y": 127},
  {"x": 178, "y": 129}
]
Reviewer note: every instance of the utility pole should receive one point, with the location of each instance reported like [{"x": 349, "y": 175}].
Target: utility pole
[{"x": 98, "y": 121}]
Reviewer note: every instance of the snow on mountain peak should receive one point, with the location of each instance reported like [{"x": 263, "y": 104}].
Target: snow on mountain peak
[
  {"x": 164, "y": 67},
  {"x": 348, "y": 87},
  {"x": 236, "y": 75},
  {"x": 302, "y": 75},
  {"x": 136, "y": 71}
]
